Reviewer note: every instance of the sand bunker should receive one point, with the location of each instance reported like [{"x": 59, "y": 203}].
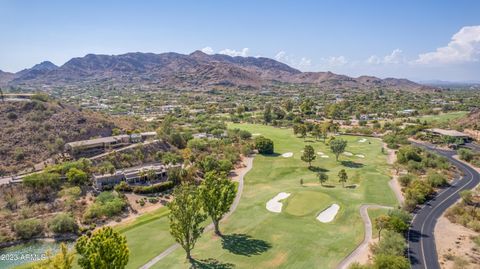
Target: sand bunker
[
  {"x": 324, "y": 156},
  {"x": 320, "y": 153},
  {"x": 256, "y": 134},
  {"x": 363, "y": 140},
  {"x": 328, "y": 214},
  {"x": 274, "y": 204},
  {"x": 346, "y": 153},
  {"x": 360, "y": 155},
  {"x": 287, "y": 154}
]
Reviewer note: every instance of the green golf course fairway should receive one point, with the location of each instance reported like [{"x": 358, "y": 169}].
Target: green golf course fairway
[{"x": 256, "y": 238}]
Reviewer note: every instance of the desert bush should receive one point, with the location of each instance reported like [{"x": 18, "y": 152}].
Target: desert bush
[
  {"x": 63, "y": 223},
  {"x": 436, "y": 180},
  {"x": 28, "y": 228}
]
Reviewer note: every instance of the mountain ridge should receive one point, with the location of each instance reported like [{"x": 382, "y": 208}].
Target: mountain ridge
[{"x": 189, "y": 71}]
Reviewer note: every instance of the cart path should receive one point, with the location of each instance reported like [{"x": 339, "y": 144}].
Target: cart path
[{"x": 363, "y": 247}]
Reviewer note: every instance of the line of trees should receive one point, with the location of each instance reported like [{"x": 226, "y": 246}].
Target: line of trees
[{"x": 193, "y": 204}]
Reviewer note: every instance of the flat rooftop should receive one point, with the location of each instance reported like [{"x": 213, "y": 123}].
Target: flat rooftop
[{"x": 447, "y": 132}]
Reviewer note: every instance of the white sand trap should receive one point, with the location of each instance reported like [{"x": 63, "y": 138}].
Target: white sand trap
[
  {"x": 287, "y": 154},
  {"x": 324, "y": 156},
  {"x": 274, "y": 204},
  {"x": 346, "y": 153},
  {"x": 360, "y": 155},
  {"x": 256, "y": 134},
  {"x": 320, "y": 153},
  {"x": 363, "y": 140},
  {"x": 328, "y": 214}
]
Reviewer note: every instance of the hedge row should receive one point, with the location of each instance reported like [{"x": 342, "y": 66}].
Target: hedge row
[{"x": 159, "y": 187}]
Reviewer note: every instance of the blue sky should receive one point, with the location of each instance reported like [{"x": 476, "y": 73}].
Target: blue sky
[{"x": 420, "y": 40}]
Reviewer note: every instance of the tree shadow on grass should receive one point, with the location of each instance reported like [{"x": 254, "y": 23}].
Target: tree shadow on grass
[
  {"x": 210, "y": 263},
  {"x": 317, "y": 169},
  {"x": 243, "y": 244},
  {"x": 271, "y": 155},
  {"x": 351, "y": 164}
]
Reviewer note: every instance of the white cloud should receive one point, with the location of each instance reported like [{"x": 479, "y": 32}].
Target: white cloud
[
  {"x": 208, "y": 50},
  {"x": 304, "y": 62},
  {"x": 233, "y": 53},
  {"x": 464, "y": 47},
  {"x": 281, "y": 56},
  {"x": 336, "y": 61},
  {"x": 396, "y": 57},
  {"x": 374, "y": 59}
]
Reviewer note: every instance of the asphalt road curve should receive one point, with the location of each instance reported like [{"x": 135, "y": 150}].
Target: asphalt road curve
[{"x": 421, "y": 242}]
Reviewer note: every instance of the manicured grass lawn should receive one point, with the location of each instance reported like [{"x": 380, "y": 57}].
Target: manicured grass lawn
[
  {"x": 443, "y": 117},
  {"x": 256, "y": 238},
  {"x": 147, "y": 236}
]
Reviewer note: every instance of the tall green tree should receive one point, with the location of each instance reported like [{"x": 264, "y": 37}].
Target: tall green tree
[
  {"x": 308, "y": 155},
  {"x": 382, "y": 222},
  {"x": 267, "y": 113},
  {"x": 186, "y": 217},
  {"x": 217, "y": 193},
  {"x": 288, "y": 105},
  {"x": 342, "y": 175},
  {"x": 324, "y": 128},
  {"x": 103, "y": 249},
  {"x": 322, "y": 177},
  {"x": 338, "y": 146}
]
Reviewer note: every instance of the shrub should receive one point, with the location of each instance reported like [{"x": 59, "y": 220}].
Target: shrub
[
  {"x": 392, "y": 243},
  {"x": 153, "y": 200},
  {"x": 436, "y": 180},
  {"x": 225, "y": 165},
  {"x": 77, "y": 177},
  {"x": 155, "y": 188},
  {"x": 418, "y": 191},
  {"x": 107, "y": 204},
  {"x": 465, "y": 154},
  {"x": 29, "y": 228},
  {"x": 405, "y": 180},
  {"x": 12, "y": 116},
  {"x": 19, "y": 154},
  {"x": 123, "y": 186},
  {"x": 264, "y": 145},
  {"x": 63, "y": 223},
  {"x": 390, "y": 262},
  {"x": 41, "y": 186}
]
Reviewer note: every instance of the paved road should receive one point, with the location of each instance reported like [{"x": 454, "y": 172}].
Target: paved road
[
  {"x": 363, "y": 247},
  {"x": 235, "y": 203},
  {"x": 421, "y": 242},
  {"x": 474, "y": 146}
]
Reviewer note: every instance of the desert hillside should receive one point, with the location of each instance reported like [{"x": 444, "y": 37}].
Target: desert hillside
[{"x": 33, "y": 131}]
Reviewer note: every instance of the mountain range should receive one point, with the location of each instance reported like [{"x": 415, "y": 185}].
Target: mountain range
[{"x": 188, "y": 71}]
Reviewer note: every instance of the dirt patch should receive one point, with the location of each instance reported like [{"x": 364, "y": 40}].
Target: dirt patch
[{"x": 454, "y": 244}]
